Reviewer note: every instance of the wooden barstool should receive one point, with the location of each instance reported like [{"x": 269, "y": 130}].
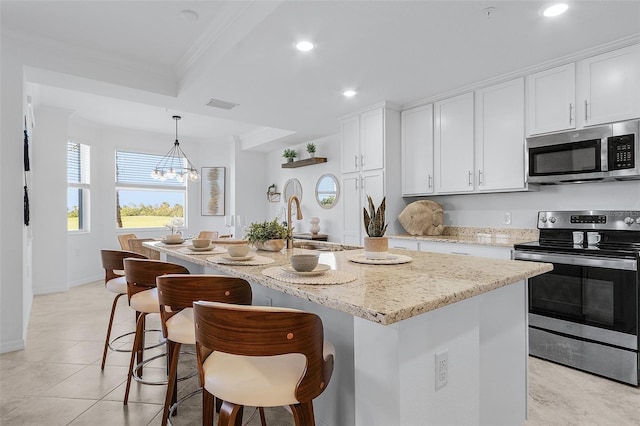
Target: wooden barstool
[
  {"x": 177, "y": 294},
  {"x": 141, "y": 277},
  {"x": 260, "y": 356},
  {"x": 115, "y": 282},
  {"x": 208, "y": 235}
]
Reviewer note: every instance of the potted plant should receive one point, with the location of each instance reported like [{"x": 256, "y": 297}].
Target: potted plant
[
  {"x": 269, "y": 236},
  {"x": 376, "y": 245},
  {"x": 311, "y": 149},
  {"x": 289, "y": 154}
]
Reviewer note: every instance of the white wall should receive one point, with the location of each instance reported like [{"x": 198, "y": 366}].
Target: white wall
[
  {"x": 330, "y": 219},
  {"x": 488, "y": 210}
]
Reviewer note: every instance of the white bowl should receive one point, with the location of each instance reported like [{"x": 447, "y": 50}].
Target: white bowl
[
  {"x": 200, "y": 242},
  {"x": 238, "y": 250},
  {"x": 304, "y": 262}
]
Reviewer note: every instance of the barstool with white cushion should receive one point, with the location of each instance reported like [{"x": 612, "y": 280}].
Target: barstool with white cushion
[
  {"x": 260, "y": 356},
  {"x": 115, "y": 282},
  {"x": 141, "y": 277},
  {"x": 177, "y": 294}
]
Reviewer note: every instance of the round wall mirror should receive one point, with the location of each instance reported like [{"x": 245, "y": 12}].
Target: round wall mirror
[
  {"x": 292, "y": 187},
  {"x": 327, "y": 191}
]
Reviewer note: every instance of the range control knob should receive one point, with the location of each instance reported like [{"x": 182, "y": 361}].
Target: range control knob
[
  {"x": 629, "y": 220},
  {"x": 552, "y": 219},
  {"x": 638, "y": 221},
  {"x": 543, "y": 219}
]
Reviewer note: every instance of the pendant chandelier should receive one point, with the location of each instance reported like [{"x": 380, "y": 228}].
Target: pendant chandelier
[{"x": 175, "y": 164}]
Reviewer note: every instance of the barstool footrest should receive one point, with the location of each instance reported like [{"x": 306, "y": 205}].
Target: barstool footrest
[
  {"x": 160, "y": 382},
  {"x": 129, "y": 334}
]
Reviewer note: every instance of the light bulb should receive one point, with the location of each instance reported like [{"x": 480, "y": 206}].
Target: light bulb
[
  {"x": 171, "y": 173},
  {"x": 180, "y": 177},
  {"x": 193, "y": 176},
  {"x": 154, "y": 174}
]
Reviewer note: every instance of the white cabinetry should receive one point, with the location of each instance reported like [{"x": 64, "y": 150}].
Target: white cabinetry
[
  {"x": 597, "y": 90},
  {"x": 453, "y": 144},
  {"x": 370, "y": 145},
  {"x": 551, "y": 100},
  {"x": 609, "y": 87},
  {"x": 499, "y": 137},
  {"x": 417, "y": 150},
  {"x": 466, "y": 249}
]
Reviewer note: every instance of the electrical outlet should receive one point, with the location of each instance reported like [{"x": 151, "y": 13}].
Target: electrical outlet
[
  {"x": 268, "y": 301},
  {"x": 507, "y": 218},
  {"x": 442, "y": 368}
]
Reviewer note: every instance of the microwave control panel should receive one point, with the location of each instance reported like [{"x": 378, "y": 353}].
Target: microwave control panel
[{"x": 621, "y": 152}]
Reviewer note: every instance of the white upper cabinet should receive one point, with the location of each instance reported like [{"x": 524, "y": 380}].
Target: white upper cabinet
[
  {"x": 453, "y": 144},
  {"x": 609, "y": 87},
  {"x": 551, "y": 100},
  {"x": 350, "y": 132},
  {"x": 363, "y": 141},
  {"x": 417, "y": 150},
  {"x": 499, "y": 137}
]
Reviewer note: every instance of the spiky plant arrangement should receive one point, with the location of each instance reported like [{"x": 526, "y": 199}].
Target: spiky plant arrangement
[{"x": 374, "y": 218}]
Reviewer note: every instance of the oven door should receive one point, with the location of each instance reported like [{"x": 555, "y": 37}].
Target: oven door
[{"x": 588, "y": 297}]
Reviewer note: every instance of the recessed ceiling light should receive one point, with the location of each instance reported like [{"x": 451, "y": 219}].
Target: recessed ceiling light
[
  {"x": 189, "y": 15},
  {"x": 304, "y": 46},
  {"x": 349, "y": 93},
  {"x": 555, "y": 10}
]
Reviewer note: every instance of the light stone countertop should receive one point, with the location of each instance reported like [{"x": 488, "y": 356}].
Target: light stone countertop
[
  {"x": 496, "y": 237},
  {"x": 386, "y": 294}
]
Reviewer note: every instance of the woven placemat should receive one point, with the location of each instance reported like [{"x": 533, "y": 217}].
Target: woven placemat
[
  {"x": 393, "y": 259},
  {"x": 257, "y": 260},
  {"x": 215, "y": 250},
  {"x": 161, "y": 244},
  {"x": 329, "y": 277}
]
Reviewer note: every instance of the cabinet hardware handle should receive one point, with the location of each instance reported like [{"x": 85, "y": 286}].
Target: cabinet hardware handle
[
  {"x": 429, "y": 181},
  {"x": 362, "y": 182},
  {"x": 586, "y": 115},
  {"x": 470, "y": 178},
  {"x": 460, "y": 253},
  {"x": 356, "y": 182},
  {"x": 361, "y": 160},
  {"x": 480, "y": 178},
  {"x": 355, "y": 161},
  {"x": 570, "y": 113}
]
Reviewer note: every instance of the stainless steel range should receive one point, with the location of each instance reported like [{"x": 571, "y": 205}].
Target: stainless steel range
[{"x": 584, "y": 313}]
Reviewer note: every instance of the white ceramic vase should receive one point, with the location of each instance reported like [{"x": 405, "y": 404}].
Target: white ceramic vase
[{"x": 315, "y": 227}]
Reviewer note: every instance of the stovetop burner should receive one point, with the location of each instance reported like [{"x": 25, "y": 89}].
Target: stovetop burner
[{"x": 619, "y": 231}]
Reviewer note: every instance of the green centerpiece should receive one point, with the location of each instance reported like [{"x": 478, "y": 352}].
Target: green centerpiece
[
  {"x": 269, "y": 236},
  {"x": 376, "y": 245}
]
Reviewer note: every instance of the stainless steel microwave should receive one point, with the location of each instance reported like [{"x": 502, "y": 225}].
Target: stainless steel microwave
[{"x": 596, "y": 154}]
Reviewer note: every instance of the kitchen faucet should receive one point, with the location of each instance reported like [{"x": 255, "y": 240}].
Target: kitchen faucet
[{"x": 298, "y": 216}]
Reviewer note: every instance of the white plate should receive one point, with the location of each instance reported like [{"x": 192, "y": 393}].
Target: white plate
[
  {"x": 173, "y": 242},
  {"x": 247, "y": 257},
  {"x": 319, "y": 270},
  {"x": 192, "y": 248}
]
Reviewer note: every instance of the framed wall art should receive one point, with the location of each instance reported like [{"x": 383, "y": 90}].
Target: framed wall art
[{"x": 213, "y": 191}]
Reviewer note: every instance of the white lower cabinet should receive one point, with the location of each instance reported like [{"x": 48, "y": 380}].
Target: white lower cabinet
[
  {"x": 356, "y": 187},
  {"x": 404, "y": 244},
  {"x": 467, "y": 249}
]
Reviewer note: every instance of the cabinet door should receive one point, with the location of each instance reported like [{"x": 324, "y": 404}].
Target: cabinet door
[
  {"x": 551, "y": 100},
  {"x": 350, "y": 132},
  {"x": 372, "y": 139},
  {"x": 467, "y": 249},
  {"x": 373, "y": 185},
  {"x": 453, "y": 144},
  {"x": 609, "y": 87},
  {"x": 500, "y": 136},
  {"x": 417, "y": 151},
  {"x": 352, "y": 220}
]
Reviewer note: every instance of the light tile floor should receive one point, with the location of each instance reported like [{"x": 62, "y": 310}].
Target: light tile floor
[{"x": 56, "y": 380}]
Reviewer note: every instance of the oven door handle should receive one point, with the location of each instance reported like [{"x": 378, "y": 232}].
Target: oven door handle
[{"x": 598, "y": 262}]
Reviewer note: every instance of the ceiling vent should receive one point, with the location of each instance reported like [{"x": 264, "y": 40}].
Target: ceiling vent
[{"x": 217, "y": 103}]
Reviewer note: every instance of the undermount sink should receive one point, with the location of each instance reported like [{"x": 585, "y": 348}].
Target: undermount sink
[{"x": 322, "y": 247}]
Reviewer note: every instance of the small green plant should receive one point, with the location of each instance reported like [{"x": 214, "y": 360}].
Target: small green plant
[
  {"x": 374, "y": 219},
  {"x": 289, "y": 154},
  {"x": 311, "y": 148},
  {"x": 261, "y": 232}
]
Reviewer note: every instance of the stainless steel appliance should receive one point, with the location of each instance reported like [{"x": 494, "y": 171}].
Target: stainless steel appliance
[
  {"x": 595, "y": 154},
  {"x": 584, "y": 313}
]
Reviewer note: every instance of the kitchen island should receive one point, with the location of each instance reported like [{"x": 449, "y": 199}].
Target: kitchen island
[{"x": 390, "y": 323}]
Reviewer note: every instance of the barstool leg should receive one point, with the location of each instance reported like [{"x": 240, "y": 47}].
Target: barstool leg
[
  {"x": 106, "y": 342},
  {"x": 135, "y": 350},
  {"x": 230, "y": 414},
  {"x": 263, "y": 420},
  {"x": 303, "y": 414},
  {"x": 174, "y": 353},
  {"x": 207, "y": 408}
]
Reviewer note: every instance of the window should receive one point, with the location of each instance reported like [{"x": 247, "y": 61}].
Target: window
[
  {"x": 78, "y": 173},
  {"x": 142, "y": 202}
]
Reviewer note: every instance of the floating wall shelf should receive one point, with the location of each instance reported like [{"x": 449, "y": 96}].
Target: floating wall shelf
[{"x": 305, "y": 162}]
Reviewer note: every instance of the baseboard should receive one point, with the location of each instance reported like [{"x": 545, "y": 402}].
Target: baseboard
[
  {"x": 86, "y": 280},
  {"x": 11, "y": 346}
]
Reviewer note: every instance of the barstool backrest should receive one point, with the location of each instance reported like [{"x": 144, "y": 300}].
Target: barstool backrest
[
  {"x": 265, "y": 331},
  {"x": 123, "y": 239},
  {"x": 141, "y": 274},
  {"x": 113, "y": 260},
  {"x": 178, "y": 292},
  {"x": 208, "y": 235}
]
